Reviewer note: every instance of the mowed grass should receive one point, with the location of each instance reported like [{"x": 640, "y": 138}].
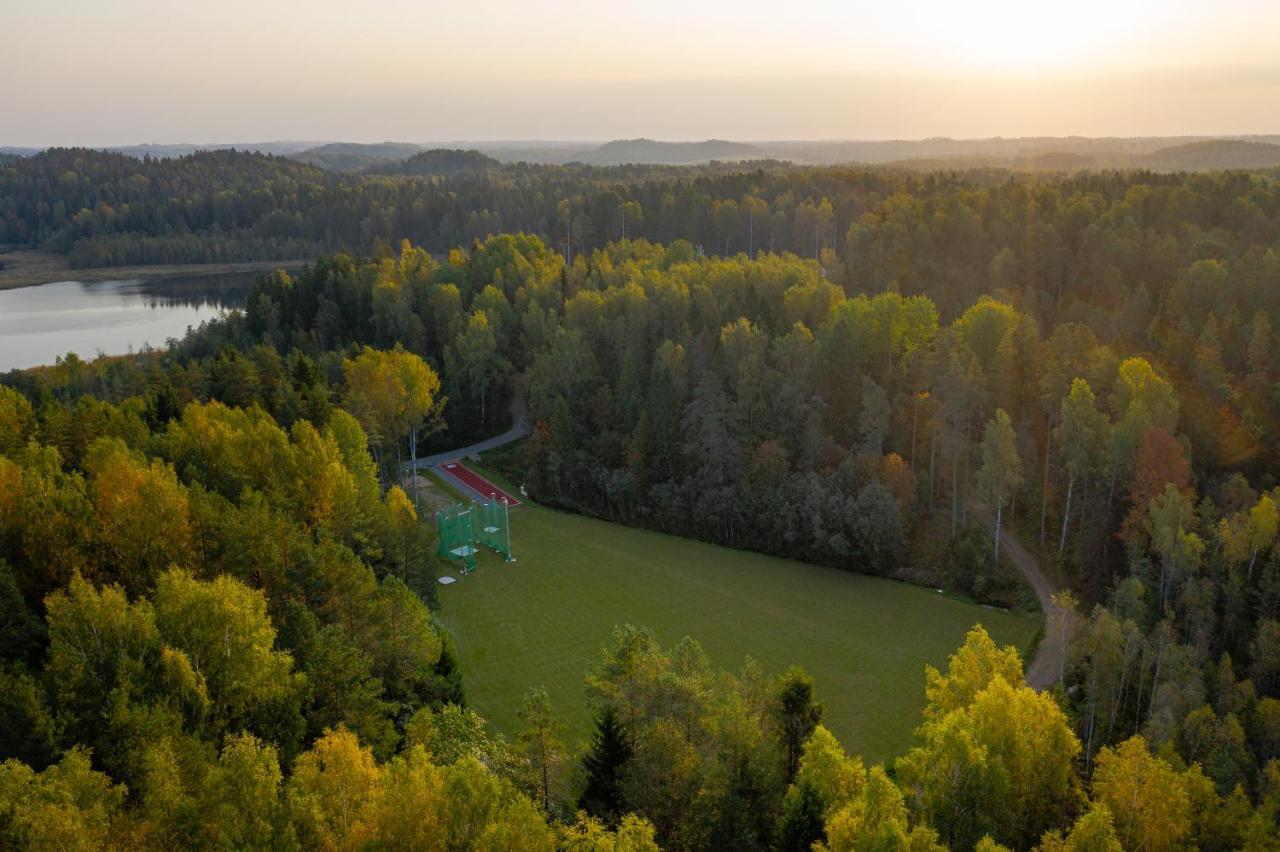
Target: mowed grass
[{"x": 543, "y": 620}]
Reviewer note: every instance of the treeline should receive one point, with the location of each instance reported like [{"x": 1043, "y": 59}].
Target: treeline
[
  {"x": 1098, "y": 247},
  {"x": 112, "y": 209}
]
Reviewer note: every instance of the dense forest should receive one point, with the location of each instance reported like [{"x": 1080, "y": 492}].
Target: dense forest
[
  {"x": 919, "y": 360},
  {"x": 105, "y": 209}
]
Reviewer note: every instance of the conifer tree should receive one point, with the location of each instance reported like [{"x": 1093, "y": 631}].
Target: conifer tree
[{"x": 603, "y": 764}]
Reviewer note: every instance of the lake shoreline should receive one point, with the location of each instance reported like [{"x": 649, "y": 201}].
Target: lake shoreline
[
  {"x": 39, "y": 324},
  {"x": 29, "y": 268}
]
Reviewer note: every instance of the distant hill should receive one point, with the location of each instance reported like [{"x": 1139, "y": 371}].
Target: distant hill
[
  {"x": 1038, "y": 153},
  {"x": 624, "y": 151},
  {"x": 1213, "y": 154},
  {"x": 1051, "y": 161},
  {"x": 943, "y": 151},
  {"x": 1055, "y": 161},
  {"x": 438, "y": 161},
  {"x": 1028, "y": 153},
  {"x": 184, "y": 149},
  {"x": 180, "y": 149},
  {"x": 355, "y": 156},
  {"x": 544, "y": 152}
]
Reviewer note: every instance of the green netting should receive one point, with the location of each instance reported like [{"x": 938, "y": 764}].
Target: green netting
[
  {"x": 457, "y": 538},
  {"x": 493, "y": 529}
]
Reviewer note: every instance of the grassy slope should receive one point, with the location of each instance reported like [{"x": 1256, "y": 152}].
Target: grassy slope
[{"x": 543, "y": 620}]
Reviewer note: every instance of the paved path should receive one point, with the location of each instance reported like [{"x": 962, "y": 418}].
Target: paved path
[
  {"x": 1046, "y": 665},
  {"x": 519, "y": 428}
]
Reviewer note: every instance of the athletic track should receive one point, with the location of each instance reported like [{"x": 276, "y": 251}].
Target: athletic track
[{"x": 475, "y": 483}]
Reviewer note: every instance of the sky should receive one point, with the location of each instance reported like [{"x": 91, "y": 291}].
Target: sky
[{"x": 114, "y": 72}]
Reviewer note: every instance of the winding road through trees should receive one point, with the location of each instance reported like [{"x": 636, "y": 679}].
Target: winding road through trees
[
  {"x": 519, "y": 429},
  {"x": 1046, "y": 667}
]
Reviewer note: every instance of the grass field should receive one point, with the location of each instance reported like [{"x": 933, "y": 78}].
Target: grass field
[{"x": 542, "y": 622}]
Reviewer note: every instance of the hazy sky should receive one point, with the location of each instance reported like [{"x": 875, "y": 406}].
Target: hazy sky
[{"x": 110, "y": 72}]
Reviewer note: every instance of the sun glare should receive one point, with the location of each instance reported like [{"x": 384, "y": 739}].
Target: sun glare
[{"x": 1004, "y": 35}]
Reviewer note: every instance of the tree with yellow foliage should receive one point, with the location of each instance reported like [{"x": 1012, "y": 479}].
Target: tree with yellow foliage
[
  {"x": 876, "y": 819},
  {"x": 995, "y": 756},
  {"x": 394, "y": 394},
  {"x": 1145, "y": 796},
  {"x": 143, "y": 519}
]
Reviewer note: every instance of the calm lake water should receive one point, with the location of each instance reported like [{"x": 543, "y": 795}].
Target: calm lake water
[{"x": 38, "y": 324}]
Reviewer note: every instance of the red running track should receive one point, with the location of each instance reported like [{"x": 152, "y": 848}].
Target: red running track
[{"x": 476, "y": 483}]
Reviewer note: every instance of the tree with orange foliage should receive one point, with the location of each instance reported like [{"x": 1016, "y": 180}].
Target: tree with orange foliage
[
  {"x": 1160, "y": 460},
  {"x": 896, "y": 475}
]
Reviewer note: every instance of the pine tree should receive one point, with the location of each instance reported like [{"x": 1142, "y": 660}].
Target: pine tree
[
  {"x": 610, "y": 751},
  {"x": 796, "y": 714},
  {"x": 801, "y": 825}
]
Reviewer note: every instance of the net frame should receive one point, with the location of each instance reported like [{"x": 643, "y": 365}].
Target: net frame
[
  {"x": 457, "y": 540},
  {"x": 493, "y": 526}
]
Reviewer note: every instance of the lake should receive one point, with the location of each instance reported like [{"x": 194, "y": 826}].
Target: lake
[{"x": 38, "y": 324}]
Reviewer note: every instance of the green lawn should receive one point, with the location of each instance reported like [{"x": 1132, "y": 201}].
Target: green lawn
[{"x": 542, "y": 621}]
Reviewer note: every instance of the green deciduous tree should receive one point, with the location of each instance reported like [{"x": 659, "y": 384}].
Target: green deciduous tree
[
  {"x": 1081, "y": 433},
  {"x": 474, "y": 365},
  {"x": 223, "y": 628},
  {"x": 1001, "y": 474},
  {"x": 67, "y": 806},
  {"x": 395, "y": 395},
  {"x": 540, "y": 742}
]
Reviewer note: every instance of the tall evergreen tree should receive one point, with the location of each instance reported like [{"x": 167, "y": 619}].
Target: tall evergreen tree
[
  {"x": 604, "y": 762},
  {"x": 801, "y": 824},
  {"x": 796, "y": 715}
]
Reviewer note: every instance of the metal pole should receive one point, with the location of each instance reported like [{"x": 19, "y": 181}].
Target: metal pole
[{"x": 506, "y": 525}]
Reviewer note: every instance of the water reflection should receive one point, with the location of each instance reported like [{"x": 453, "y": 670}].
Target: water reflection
[
  {"x": 38, "y": 324},
  {"x": 222, "y": 290}
]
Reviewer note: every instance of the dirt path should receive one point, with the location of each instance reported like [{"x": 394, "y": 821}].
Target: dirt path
[{"x": 1046, "y": 666}]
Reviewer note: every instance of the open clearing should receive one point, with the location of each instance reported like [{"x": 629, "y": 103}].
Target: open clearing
[{"x": 543, "y": 620}]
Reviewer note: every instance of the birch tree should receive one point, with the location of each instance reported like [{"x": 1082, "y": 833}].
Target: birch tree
[
  {"x": 1081, "y": 432},
  {"x": 1001, "y": 474},
  {"x": 395, "y": 396}
]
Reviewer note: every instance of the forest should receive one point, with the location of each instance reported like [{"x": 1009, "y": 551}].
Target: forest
[
  {"x": 105, "y": 209},
  {"x": 866, "y": 369}
]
